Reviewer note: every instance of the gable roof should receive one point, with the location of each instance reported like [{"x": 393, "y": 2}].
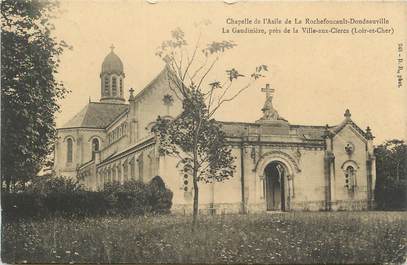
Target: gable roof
[
  {"x": 96, "y": 115},
  {"x": 161, "y": 77},
  {"x": 347, "y": 121}
]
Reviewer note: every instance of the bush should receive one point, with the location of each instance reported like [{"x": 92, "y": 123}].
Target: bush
[
  {"x": 48, "y": 184},
  {"x": 135, "y": 197},
  {"x": 391, "y": 194},
  {"x": 21, "y": 204},
  {"x": 160, "y": 197},
  {"x": 128, "y": 198},
  {"x": 59, "y": 196}
]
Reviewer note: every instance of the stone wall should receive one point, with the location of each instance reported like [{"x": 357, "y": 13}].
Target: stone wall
[
  {"x": 357, "y": 159},
  {"x": 82, "y": 148}
]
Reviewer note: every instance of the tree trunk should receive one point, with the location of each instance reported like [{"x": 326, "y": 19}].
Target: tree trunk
[
  {"x": 195, "y": 209},
  {"x": 195, "y": 177}
]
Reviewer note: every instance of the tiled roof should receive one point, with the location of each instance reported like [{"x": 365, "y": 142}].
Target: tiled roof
[
  {"x": 237, "y": 129},
  {"x": 309, "y": 131},
  {"x": 96, "y": 115}
]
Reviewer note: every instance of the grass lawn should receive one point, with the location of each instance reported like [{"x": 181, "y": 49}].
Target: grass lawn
[{"x": 295, "y": 237}]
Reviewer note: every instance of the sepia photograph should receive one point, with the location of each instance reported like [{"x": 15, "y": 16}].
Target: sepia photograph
[{"x": 211, "y": 132}]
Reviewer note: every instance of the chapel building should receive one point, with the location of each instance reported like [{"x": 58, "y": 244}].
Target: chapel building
[{"x": 279, "y": 166}]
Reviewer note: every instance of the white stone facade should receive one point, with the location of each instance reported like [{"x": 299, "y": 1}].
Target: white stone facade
[{"x": 279, "y": 166}]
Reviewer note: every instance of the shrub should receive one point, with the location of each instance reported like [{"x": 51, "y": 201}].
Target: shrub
[
  {"x": 21, "y": 204},
  {"x": 391, "y": 194},
  {"x": 130, "y": 197},
  {"x": 59, "y": 196},
  {"x": 160, "y": 197},
  {"x": 80, "y": 203},
  {"x": 48, "y": 184}
]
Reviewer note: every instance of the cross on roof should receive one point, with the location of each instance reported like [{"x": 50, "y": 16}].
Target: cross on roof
[
  {"x": 112, "y": 47},
  {"x": 269, "y": 91},
  {"x": 131, "y": 96}
]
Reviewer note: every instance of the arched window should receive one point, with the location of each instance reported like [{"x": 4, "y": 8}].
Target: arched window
[
  {"x": 125, "y": 171},
  {"x": 121, "y": 86},
  {"x": 95, "y": 147},
  {"x": 140, "y": 166},
  {"x": 132, "y": 169},
  {"x": 119, "y": 173},
  {"x": 109, "y": 175},
  {"x": 105, "y": 179},
  {"x": 114, "y": 86},
  {"x": 69, "y": 154},
  {"x": 106, "y": 90},
  {"x": 350, "y": 178},
  {"x": 114, "y": 174}
]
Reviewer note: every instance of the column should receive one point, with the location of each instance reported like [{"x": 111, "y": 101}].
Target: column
[
  {"x": 261, "y": 188},
  {"x": 329, "y": 179}
]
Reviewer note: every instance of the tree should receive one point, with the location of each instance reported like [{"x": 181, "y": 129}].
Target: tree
[
  {"x": 29, "y": 90},
  {"x": 391, "y": 175},
  {"x": 194, "y": 137}
]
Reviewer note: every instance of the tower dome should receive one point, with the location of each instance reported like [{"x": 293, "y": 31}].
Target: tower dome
[
  {"x": 112, "y": 79},
  {"x": 112, "y": 64}
]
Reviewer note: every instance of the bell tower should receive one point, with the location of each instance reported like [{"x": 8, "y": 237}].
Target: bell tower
[{"x": 112, "y": 79}]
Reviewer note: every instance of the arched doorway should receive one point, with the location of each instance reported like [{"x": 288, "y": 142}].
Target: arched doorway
[{"x": 275, "y": 177}]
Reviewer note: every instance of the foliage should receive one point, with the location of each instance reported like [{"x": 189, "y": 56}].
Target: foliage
[
  {"x": 391, "y": 194},
  {"x": 214, "y": 160},
  {"x": 160, "y": 198},
  {"x": 29, "y": 89},
  {"x": 391, "y": 175},
  {"x": 194, "y": 137},
  {"x": 49, "y": 183},
  {"x": 50, "y": 197},
  {"x": 135, "y": 197},
  {"x": 282, "y": 238}
]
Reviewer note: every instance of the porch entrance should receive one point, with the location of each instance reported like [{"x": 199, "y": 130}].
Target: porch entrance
[{"x": 275, "y": 173}]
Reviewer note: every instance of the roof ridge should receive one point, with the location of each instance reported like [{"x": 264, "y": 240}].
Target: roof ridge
[
  {"x": 77, "y": 115},
  {"x": 109, "y": 103},
  {"x": 146, "y": 87},
  {"x": 311, "y": 126}
]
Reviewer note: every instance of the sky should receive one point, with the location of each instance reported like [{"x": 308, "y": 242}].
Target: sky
[{"x": 316, "y": 77}]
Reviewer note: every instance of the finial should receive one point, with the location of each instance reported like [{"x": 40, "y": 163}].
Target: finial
[
  {"x": 326, "y": 132},
  {"x": 112, "y": 47},
  {"x": 89, "y": 99},
  {"x": 131, "y": 91},
  {"x": 369, "y": 134},
  {"x": 347, "y": 114}
]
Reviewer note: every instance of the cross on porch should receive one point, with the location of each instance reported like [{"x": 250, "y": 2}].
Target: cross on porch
[
  {"x": 269, "y": 91},
  {"x": 112, "y": 47}
]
